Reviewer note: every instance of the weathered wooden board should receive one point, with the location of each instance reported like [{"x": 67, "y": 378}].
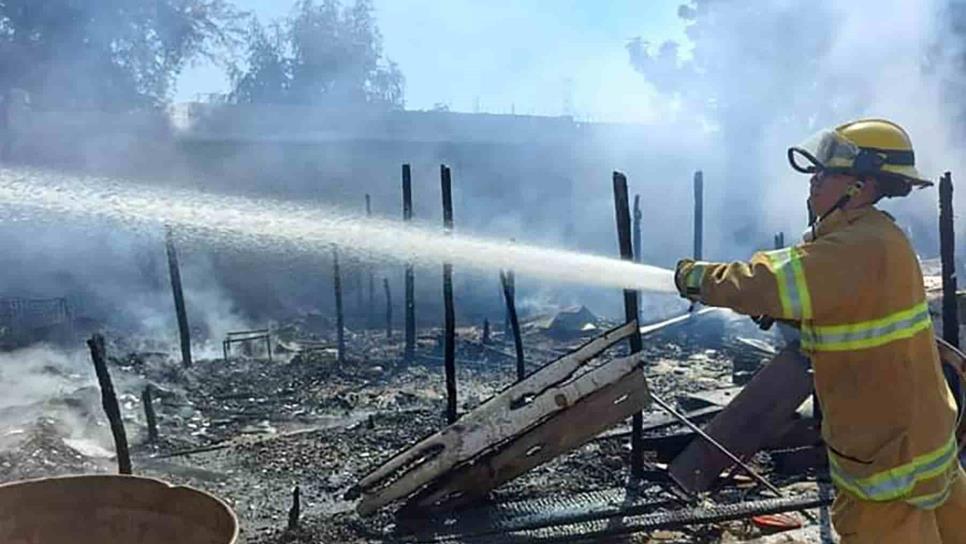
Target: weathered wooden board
[
  {"x": 518, "y": 409},
  {"x": 753, "y": 419},
  {"x": 563, "y": 432},
  {"x": 954, "y": 357}
]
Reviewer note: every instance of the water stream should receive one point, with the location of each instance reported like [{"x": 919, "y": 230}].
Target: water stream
[{"x": 261, "y": 224}]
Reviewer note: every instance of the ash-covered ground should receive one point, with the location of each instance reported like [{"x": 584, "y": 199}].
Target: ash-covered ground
[{"x": 249, "y": 430}]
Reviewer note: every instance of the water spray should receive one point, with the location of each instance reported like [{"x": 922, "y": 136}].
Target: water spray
[{"x": 264, "y": 224}]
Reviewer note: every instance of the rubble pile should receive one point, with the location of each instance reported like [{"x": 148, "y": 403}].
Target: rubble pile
[{"x": 249, "y": 430}]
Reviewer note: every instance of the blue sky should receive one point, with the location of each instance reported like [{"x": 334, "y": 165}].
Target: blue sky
[{"x": 506, "y": 55}]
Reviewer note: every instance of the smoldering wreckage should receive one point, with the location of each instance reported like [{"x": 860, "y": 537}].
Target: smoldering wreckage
[{"x": 559, "y": 427}]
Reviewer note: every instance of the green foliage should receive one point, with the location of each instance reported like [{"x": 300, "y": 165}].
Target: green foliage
[
  {"x": 325, "y": 54},
  {"x": 108, "y": 54}
]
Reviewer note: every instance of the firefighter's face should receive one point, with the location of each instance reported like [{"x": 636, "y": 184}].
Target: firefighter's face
[{"x": 826, "y": 189}]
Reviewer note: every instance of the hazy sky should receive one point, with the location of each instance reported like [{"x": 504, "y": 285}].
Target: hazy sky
[{"x": 503, "y": 55}]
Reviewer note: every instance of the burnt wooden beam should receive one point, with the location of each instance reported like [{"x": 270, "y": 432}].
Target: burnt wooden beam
[
  {"x": 109, "y": 403},
  {"x": 296, "y": 509},
  {"x": 506, "y": 281},
  {"x": 371, "y": 313},
  {"x": 616, "y": 392},
  {"x": 174, "y": 270},
  {"x": 755, "y": 417},
  {"x": 339, "y": 316},
  {"x": 511, "y": 283},
  {"x": 623, "y": 216},
  {"x": 449, "y": 318},
  {"x": 149, "y": 415},
  {"x": 638, "y": 244},
  {"x": 950, "y": 306},
  {"x": 410, "y": 346},
  {"x": 947, "y": 248},
  {"x": 386, "y": 290},
  {"x": 548, "y": 413},
  {"x": 698, "y": 215}
]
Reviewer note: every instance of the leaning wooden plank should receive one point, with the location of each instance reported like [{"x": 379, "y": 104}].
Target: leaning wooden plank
[
  {"x": 505, "y": 415},
  {"x": 955, "y": 358},
  {"x": 751, "y": 420},
  {"x": 564, "y": 431}
]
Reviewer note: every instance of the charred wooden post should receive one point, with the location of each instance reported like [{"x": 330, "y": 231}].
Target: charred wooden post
[
  {"x": 149, "y": 414},
  {"x": 947, "y": 250},
  {"x": 449, "y": 329},
  {"x": 638, "y": 242},
  {"x": 638, "y": 250},
  {"x": 511, "y": 285},
  {"x": 356, "y": 268},
  {"x": 947, "y": 245},
  {"x": 486, "y": 332},
  {"x": 409, "y": 352},
  {"x": 175, "y": 272},
  {"x": 295, "y": 511},
  {"x": 339, "y": 317},
  {"x": 371, "y": 275},
  {"x": 506, "y": 280},
  {"x": 109, "y": 402},
  {"x": 698, "y": 215},
  {"x": 385, "y": 288},
  {"x": 623, "y": 215}
]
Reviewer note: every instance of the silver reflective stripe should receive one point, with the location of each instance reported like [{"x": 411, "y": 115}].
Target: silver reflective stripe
[{"x": 868, "y": 334}]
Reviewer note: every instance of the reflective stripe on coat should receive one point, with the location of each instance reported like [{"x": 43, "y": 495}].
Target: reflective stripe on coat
[{"x": 857, "y": 291}]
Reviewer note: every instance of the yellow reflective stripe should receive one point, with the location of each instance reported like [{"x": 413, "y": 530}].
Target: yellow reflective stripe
[
  {"x": 898, "y": 481},
  {"x": 867, "y": 334},
  {"x": 801, "y": 286},
  {"x": 793, "y": 292}
]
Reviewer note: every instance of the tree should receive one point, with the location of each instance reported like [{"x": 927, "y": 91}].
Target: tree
[
  {"x": 753, "y": 65},
  {"x": 108, "y": 54},
  {"x": 267, "y": 78},
  {"x": 324, "y": 54}
]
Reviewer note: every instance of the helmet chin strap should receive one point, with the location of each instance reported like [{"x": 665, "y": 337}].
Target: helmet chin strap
[{"x": 851, "y": 192}]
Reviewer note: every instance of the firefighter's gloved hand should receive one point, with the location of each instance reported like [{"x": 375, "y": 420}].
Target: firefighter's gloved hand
[
  {"x": 764, "y": 322},
  {"x": 687, "y": 278}
]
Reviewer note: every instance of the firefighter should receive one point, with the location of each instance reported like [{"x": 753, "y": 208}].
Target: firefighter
[{"x": 855, "y": 290}]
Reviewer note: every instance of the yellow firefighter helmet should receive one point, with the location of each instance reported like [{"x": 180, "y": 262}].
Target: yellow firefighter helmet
[{"x": 865, "y": 148}]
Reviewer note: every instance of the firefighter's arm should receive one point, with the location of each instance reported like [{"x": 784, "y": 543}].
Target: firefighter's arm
[
  {"x": 793, "y": 284},
  {"x": 747, "y": 287}
]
